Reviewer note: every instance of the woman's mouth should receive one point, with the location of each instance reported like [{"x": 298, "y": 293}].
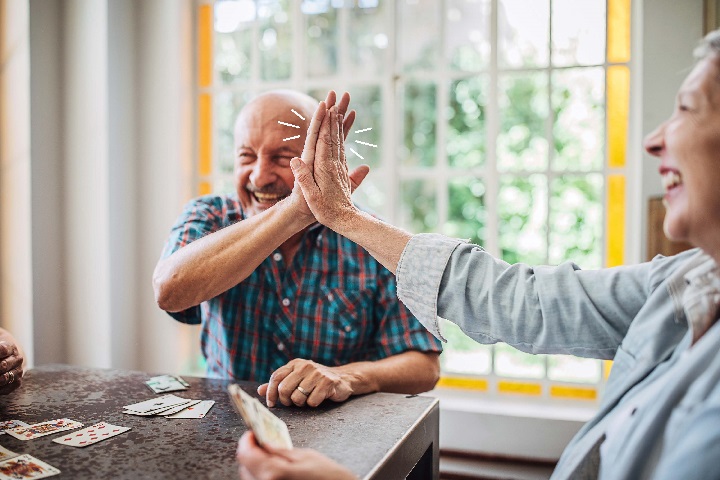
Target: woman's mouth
[{"x": 671, "y": 180}]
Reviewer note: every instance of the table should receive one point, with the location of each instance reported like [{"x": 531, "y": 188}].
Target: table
[{"x": 377, "y": 436}]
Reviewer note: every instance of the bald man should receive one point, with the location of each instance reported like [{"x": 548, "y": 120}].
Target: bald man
[{"x": 282, "y": 299}]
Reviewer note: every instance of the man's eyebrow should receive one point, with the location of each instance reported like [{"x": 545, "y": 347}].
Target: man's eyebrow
[{"x": 285, "y": 149}]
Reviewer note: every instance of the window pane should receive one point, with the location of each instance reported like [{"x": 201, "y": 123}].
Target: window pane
[
  {"x": 416, "y": 48},
  {"x": 576, "y": 220},
  {"x": 368, "y": 104},
  {"x": 523, "y": 33},
  {"x": 418, "y": 207},
  {"x": 224, "y": 185},
  {"x": 468, "y": 34},
  {"x": 522, "y": 216},
  {"x": 578, "y": 32},
  {"x": 233, "y": 40},
  {"x": 579, "y": 129},
  {"x": 419, "y": 124},
  {"x": 466, "y": 118},
  {"x": 227, "y": 108},
  {"x": 371, "y": 194},
  {"x": 275, "y": 42},
  {"x": 321, "y": 36},
  {"x": 566, "y": 368},
  {"x": 510, "y": 362},
  {"x": 522, "y": 142},
  {"x": 467, "y": 216},
  {"x": 463, "y": 355},
  {"x": 368, "y": 36}
]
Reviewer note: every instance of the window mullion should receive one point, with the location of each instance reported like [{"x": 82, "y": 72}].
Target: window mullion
[{"x": 492, "y": 178}]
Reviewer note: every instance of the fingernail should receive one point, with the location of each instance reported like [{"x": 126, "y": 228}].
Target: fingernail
[{"x": 270, "y": 404}]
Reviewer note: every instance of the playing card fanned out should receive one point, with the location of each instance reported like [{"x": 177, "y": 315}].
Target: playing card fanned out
[
  {"x": 93, "y": 434},
  {"x": 26, "y": 467},
  {"x": 8, "y": 424},
  {"x": 167, "y": 383},
  {"x": 45, "y": 428},
  {"x": 268, "y": 429},
  {"x": 155, "y": 405},
  {"x": 198, "y": 410},
  {"x": 179, "y": 408},
  {"x": 6, "y": 454}
]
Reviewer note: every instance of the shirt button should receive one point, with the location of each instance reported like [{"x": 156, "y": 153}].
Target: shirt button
[
  {"x": 331, "y": 297},
  {"x": 348, "y": 328},
  {"x": 277, "y": 257},
  {"x": 286, "y": 302},
  {"x": 281, "y": 346}
]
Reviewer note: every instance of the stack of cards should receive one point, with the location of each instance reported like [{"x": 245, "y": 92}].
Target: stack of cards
[
  {"x": 268, "y": 429},
  {"x": 170, "y": 406},
  {"x": 8, "y": 424},
  {"x": 26, "y": 466},
  {"x": 37, "y": 430},
  {"x": 167, "y": 383}
]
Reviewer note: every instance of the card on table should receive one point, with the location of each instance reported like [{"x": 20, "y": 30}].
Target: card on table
[
  {"x": 195, "y": 411},
  {"x": 268, "y": 429},
  {"x": 26, "y": 467},
  {"x": 92, "y": 434},
  {"x": 6, "y": 454},
  {"x": 8, "y": 424},
  {"x": 167, "y": 383},
  {"x": 45, "y": 428},
  {"x": 155, "y": 404}
]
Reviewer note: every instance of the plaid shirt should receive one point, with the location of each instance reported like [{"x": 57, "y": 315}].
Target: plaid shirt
[{"x": 334, "y": 304}]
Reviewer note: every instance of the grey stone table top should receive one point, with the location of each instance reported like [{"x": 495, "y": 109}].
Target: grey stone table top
[{"x": 366, "y": 433}]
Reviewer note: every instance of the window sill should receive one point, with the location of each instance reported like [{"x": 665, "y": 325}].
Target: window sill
[{"x": 508, "y": 426}]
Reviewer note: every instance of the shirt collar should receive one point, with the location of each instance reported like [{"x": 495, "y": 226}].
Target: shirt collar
[{"x": 701, "y": 296}]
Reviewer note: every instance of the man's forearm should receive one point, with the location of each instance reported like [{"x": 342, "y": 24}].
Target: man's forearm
[
  {"x": 408, "y": 372},
  {"x": 217, "y": 262}
]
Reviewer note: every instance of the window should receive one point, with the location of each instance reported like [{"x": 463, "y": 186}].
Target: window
[{"x": 502, "y": 121}]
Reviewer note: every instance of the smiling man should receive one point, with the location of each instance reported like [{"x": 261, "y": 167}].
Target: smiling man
[{"x": 281, "y": 298}]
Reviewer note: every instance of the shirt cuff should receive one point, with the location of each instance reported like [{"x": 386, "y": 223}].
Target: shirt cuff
[{"x": 419, "y": 273}]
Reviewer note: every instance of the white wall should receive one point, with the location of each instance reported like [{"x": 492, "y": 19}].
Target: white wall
[
  {"x": 96, "y": 159},
  {"x": 16, "y": 307}
]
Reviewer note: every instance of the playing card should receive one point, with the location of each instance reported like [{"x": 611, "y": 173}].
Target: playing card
[
  {"x": 156, "y": 404},
  {"x": 25, "y": 467},
  {"x": 268, "y": 429},
  {"x": 179, "y": 408},
  {"x": 8, "y": 424},
  {"x": 195, "y": 411},
  {"x": 93, "y": 434},
  {"x": 45, "y": 428},
  {"x": 161, "y": 410},
  {"x": 167, "y": 383},
  {"x": 5, "y": 453}
]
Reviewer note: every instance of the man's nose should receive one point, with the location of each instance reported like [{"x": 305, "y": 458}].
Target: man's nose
[{"x": 263, "y": 173}]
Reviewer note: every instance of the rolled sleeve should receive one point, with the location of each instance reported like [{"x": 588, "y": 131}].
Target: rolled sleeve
[{"x": 419, "y": 274}]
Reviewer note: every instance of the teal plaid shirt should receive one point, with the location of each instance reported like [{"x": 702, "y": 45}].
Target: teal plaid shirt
[{"x": 334, "y": 304}]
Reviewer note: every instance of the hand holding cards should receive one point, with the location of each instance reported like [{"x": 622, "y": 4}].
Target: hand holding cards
[{"x": 268, "y": 429}]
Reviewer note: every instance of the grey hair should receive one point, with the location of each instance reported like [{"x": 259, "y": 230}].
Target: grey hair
[{"x": 709, "y": 46}]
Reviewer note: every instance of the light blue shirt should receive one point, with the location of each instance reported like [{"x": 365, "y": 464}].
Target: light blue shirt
[{"x": 660, "y": 413}]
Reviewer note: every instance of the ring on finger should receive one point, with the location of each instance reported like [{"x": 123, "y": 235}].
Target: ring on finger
[
  {"x": 303, "y": 391},
  {"x": 10, "y": 377}
]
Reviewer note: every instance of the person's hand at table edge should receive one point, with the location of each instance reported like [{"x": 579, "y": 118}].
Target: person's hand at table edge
[
  {"x": 258, "y": 463},
  {"x": 11, "y": 363}
]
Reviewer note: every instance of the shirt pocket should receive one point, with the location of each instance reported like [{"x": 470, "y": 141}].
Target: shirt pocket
[{"x": 349, "y": 315}]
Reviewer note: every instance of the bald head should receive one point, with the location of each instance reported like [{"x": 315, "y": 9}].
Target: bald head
[{"x": 274, "y": 106}]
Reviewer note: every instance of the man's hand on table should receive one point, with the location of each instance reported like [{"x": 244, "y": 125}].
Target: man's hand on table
[
  {"x": 257, "y": 463},
  {"x": 11, "y": 363},
  {"x": 304, "y": 382}
]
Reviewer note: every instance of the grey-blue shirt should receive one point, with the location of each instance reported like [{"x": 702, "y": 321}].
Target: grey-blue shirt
[{"x": 660, "y": 413}]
